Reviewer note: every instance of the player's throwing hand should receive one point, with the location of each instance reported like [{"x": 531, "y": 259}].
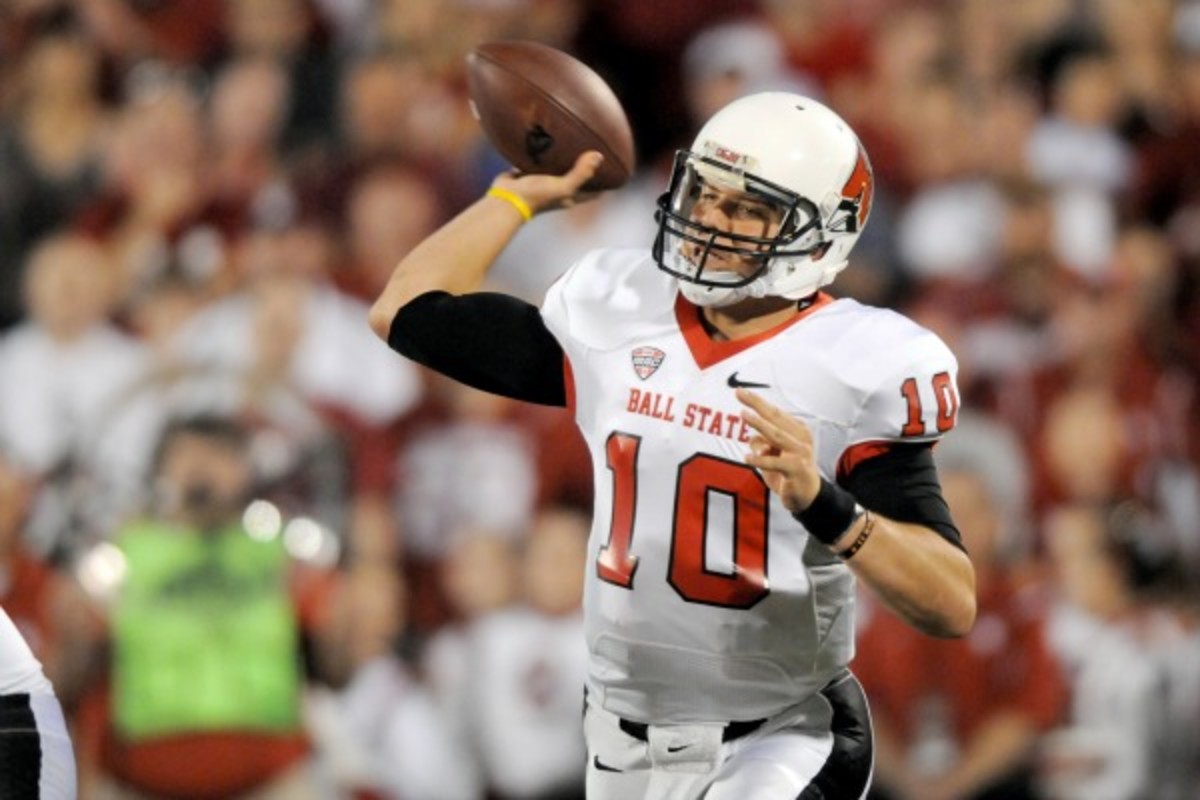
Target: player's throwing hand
[
  {"x": 545, "y": 192},
  {"x": 782, "y": 450}
]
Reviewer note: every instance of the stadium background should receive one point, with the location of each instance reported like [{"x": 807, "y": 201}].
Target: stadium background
[{"x": 197, "y": 197}]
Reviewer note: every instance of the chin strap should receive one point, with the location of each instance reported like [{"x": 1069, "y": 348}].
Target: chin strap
[
  {"x": 763, "y": 285},
  {"x": 825, "y": 277}
]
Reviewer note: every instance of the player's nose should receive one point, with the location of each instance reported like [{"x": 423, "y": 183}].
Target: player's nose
[{"x": 713, "y": 216}]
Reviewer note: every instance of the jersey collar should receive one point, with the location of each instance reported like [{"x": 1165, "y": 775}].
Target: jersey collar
[{"x": 708, "y": 351}]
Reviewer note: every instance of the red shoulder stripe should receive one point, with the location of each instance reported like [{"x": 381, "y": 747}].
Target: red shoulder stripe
[{"x": 855, "y": 454}]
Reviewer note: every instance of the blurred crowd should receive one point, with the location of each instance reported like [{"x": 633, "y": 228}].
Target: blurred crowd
[{"x": 263, "y": 557}]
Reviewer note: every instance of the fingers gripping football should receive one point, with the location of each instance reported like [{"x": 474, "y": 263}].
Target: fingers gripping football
[
  {"x": 545, "y": 192},
  {"x": 782, "y": 451}
]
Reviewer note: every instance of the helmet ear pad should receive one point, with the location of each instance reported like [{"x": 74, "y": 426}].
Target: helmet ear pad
[{"x": 781, "y": 148}]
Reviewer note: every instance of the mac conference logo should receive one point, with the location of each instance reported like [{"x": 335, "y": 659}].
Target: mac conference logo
[{"x": 647, "y": 360}]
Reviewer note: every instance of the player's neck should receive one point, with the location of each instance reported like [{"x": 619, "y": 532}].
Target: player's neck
[{"x": 748, "y": 317}]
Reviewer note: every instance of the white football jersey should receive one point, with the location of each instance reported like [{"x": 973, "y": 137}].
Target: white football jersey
[
  {"x": 20, "y": 672},
  {"x": 705, "y": 599}
]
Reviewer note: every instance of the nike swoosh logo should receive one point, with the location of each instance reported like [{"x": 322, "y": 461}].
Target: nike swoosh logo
[
  {"x": 734, "y": 383},
  {"x": 603, "y": 767},
  {"x": 677, "y": 748}
]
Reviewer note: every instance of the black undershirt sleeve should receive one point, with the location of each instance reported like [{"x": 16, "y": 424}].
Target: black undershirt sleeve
[
  {"x": 493, "y": 342},
  {"x": 902, "y": 484}
]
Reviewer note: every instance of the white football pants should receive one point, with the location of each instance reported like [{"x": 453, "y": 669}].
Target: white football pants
[{"x": 818, "y": 750}]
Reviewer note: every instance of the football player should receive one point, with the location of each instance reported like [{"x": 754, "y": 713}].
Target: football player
[
  {"x": 36, "y": 758},
  {"x": 756, "y": 445}
]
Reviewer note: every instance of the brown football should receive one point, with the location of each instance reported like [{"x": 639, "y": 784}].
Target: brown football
[{"x": 540, "y": 108}]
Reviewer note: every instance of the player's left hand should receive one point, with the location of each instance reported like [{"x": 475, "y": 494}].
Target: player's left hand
[{"x": 782, "y": 451}]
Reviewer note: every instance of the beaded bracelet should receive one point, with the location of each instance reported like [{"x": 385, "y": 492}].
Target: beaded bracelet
[{"x": 860, "y": 540}]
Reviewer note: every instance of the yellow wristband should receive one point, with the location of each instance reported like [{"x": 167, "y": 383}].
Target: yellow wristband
[{"x": 514, "y": 199}]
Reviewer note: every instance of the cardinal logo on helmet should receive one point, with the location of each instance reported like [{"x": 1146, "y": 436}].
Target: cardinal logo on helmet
[{"x": 857, "y": 193}]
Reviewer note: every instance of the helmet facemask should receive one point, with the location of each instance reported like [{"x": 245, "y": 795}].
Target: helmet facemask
[{"x": 718, "y": 267}]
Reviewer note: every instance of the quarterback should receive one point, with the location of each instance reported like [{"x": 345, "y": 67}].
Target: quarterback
[{"x": 757, "y": 446}]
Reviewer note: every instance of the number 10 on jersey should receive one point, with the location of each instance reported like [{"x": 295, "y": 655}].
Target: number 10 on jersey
[{"x": 697, "y": 479}]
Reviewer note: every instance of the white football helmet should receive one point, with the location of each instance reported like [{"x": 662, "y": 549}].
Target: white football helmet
[{"x": 783, "y": 149}]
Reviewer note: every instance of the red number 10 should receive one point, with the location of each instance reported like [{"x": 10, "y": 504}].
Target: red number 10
[
  {"x": 698, "y": 478},
  {"x": 947, "y": 405}
]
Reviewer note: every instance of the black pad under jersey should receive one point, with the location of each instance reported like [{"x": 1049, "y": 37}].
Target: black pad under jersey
[
  {"x": 902, "y": 484},
  {"x": 490, "y": 341}
]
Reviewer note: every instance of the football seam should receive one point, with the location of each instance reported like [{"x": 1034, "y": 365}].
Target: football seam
[{"x": 608, "y": 152}]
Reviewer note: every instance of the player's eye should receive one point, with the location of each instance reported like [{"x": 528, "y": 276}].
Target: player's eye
[{"x": 753, "y": 211}]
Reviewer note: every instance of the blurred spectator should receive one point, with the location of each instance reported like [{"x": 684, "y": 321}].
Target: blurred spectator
[
  {"x": 1141, "y": 40},
  {"x": 1077, "y": 151},
  {"x": 438, "y": 33},
  {"x": 486, "y": 461},
  {"x": 290, "y": 325},
  {"x": 823, "y": 38},
  {"x": 1085, "y": 447},
  {"x": 392, "y": 110},
  {"x": 246, "y": 113},
  {"x": 390, "y": 210},
  {"x": 732, "y": 59},
  {"x": 289, "y": 33},
  {"x": 951, "y": 227},
  {"x": 1166, "y": 190},
  {"x": 156, "y": 208},
  {"x": 66, "y": 369},
  {"x": 37, "y": 598},
  {"x": 552, "y": 22},
  {"x": 961, "y": 718},
  {"x": 205, "y": 613},
  {"x": 1132, "y": 664},
  {"x": 289, "y": 335},
  {"x": 530, "y": 663},
  {"x": 49, "y": 152},
  {"x": 411, "y": 26},
  {"x": 1114, "y": 351},
  {"x": 478, "y": 578},
  {"x": 990, "y": 450},
  {"x": 1167, "y": 178},
  {"x": 477, "y": 468},
  {"x": 377, "y": 91},
  {"x": 1009, "y": 317},
  {"x": 162, "y": 306},
  {"x": 129, "y": 31},
  {"x": 381, "y": 730}
]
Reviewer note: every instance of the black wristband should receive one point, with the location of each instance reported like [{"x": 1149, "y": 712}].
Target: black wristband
[{"x": 830, "y": 514}]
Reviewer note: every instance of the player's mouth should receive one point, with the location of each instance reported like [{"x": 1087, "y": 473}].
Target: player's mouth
[
  {"x": 715, "y": 261},
  {"x": 694, "y": 253}
]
